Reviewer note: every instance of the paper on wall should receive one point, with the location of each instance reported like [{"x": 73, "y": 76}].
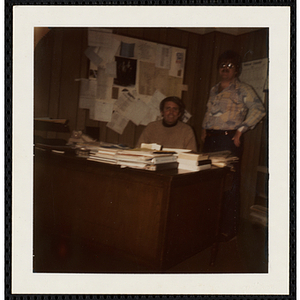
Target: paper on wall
[
  {"x": 161, "y": 77},
  {"x": 93, "y": 71},
  {"x": 117, "y": 123},
  {"x": 88, "y": 92},
  {"x": 133, "y": 92},
  {"x": 174, "y": 87},
  {"x": 156, "y": 99},
  {"x": 98, "y": 37},
  {"x": 102, "y": 111},
  {"x": 108, "y": 52},
  {"x": 146, "y": 51},
  {"x": 138, "y": 112},
  {"x": 102, "y": 84},
  {"x": 155, "y": 63},
  {"x": 127, "y": 49},
  {"x": 152, "y": 114},
  {"x": 145, "y": 98},
  {"x": 152, "y": 78},
  {"x": 111, "y": 69},
  {"x": 132, "y": 109},
  {"x": 255, "y": 74},
  {"x": 146, "y": 78},
  {"x": 177, "y": 62},
  {"x": 186, "y": 116},
  {"x": 122, "y": 105},
  {"x": 163, "y": 56},
  {"x": 93, "y": 56}
]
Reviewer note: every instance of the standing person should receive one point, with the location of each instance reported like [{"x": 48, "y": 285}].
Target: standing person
[
  {"x": 170, "y": 132},
  {"x": 232, "y": 109}
]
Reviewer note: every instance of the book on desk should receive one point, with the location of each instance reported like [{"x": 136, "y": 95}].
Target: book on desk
[
  {"x": 149, "y": 158},
  {"x": 193, "y": 161},
  {"x": 135, "y": 158}
]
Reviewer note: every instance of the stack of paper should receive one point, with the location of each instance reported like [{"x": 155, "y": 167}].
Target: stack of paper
[
  {"x": 193, "y": 161},
  {"x": 99, "y": 151},
  {"x": 135, "y": 158},
  {"x": 106, "y": 155},
  {"x": 222, "y": 158},
  {"x": 143, "y": 158},
  {"x": 152, "y": 146}
]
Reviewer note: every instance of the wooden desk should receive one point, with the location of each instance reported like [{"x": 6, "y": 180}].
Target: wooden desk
[{"x": 154, "y": 219}]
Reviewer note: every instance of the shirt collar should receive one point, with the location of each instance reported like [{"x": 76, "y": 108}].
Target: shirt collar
[
  {"x": 168, "y": 125},
  {"x": 234, "y": 84}
]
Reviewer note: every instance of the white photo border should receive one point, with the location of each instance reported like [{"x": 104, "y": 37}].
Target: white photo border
[{"x": 277, "y": 19}]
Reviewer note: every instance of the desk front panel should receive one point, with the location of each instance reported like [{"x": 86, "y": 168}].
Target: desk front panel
[
  {"x": 102, "y": 204},
  {"x": 153, "y": 218},
  {"x": 193, "y": 214}
]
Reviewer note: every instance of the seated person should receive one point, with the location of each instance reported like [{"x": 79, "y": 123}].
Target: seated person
[{"x": 170, "y": 132}]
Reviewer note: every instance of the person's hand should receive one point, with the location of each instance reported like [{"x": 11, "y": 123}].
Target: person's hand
[
  {"x": 236, "y": 138},
  {"x": 203, "y": 135}
]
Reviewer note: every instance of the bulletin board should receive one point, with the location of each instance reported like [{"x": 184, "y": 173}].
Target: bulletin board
[
  {"x": 255, "y": 73},
  {"x": 128, "y": 78}
]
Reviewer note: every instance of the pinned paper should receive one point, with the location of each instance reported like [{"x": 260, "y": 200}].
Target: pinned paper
[
  {"x": 184, "y": 87},
  {"x": 92, "y": 56},
  {"x": 111, "y": 69},
  {"x": 146, "y": 51},
  {"x": 255, "y": 74},
  {"x": 127, "y": 50},
  {"x": 163, "y": 56},
  {"x": 156, "y": 99},
  {"x": 121, "y": 67},
  {"x": 186, "y": 116},
  {"x": 88, "y": 92},
  {"x": 177, "y": 63},
  {"x": 153, "y": 114},
  {"x": 117, "y": 123},
  {"x": 103, "y": 111}
]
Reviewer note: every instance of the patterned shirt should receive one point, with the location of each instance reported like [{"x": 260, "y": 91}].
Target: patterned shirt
[{"x": 237, "y": 107}]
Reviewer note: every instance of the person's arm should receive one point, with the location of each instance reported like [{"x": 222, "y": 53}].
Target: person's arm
[
  {"x": 237, "y": 138},
  {"x": 256, "y": 110},
  {"x": 207, "y": 113}
]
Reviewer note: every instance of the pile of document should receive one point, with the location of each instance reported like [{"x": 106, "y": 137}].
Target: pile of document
[
  {"x": 193, "y": 161},
  {"x": 135, "y": 158},
  {"x": 147, "y": 159},
  {"x": 106, "y": 155},
  {"x": 222, "y": 159}
]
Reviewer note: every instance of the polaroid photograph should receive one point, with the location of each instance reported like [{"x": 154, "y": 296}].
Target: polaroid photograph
[{"x": 94, "y": 214}]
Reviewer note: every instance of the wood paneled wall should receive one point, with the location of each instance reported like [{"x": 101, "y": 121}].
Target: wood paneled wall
[{"x": 60, "y": 60}]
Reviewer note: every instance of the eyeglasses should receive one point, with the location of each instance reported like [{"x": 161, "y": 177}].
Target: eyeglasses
[{"x": 228, "y": 66}]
